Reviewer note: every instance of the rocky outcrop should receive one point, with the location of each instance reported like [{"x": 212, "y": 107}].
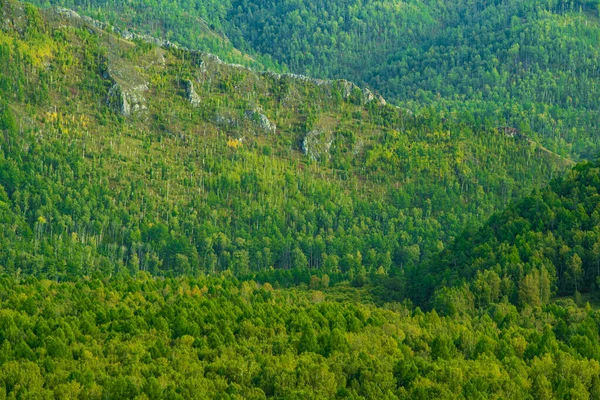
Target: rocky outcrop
[
  {"x": 226, "y": 121},
  {"x": 78, "y": 19},
  {"x": 380, "y": 100},
  {"x": 127, "y": 98},
  {"x": 316, "y": 145},
  {"x": 261, "y": 121},
  {"x": 132, "y": 96},
  {"x": 190, "y": 93},
  {"x": 511, "y": 132},
  {"x": 127, "y": 101},
  {"x": 368, "y": 96},
  {"x": 353, "y": 93},
  {"x": 128, "y": 92},
  {"x": 346, "y": 88},
  {"x": 297, "y": 77}
]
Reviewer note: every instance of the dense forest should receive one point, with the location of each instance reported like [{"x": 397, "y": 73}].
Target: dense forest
[
  {"x": 174, "y": 226},
  {"x": 218, "y": 338},
  {"x": 546, "y": 243},
  {"x": 122, "y": 156}
]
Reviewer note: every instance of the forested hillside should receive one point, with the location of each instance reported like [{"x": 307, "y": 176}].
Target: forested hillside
[
  {"x": 174, "y": 227},
  {"x": 120, "y": 156},
  {"x": 545, "y": 244},
  {"x": 193, "y": 25},
  {"x": 528, "y": 64}
]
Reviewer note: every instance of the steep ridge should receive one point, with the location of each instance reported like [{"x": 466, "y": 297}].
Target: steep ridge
[
  {"x": 164, "y": 23},
  {"x": 529, "y": 64}
]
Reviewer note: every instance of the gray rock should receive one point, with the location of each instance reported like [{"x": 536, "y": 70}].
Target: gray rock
[
  {"x": 316, "y": 145},
  {"x": 297, "y": 77},
  {"x": 346, "y": 88},
  {"x": 125, "y": 34},
  {"x": 65, "y": 12},
  {"x": 368, "y": 96},
  {"x": 261, "y": 121},
  {"x": 380, "y": 100},
  {"x": 128, "y": 92},
  {"x": 191, "y": 94},
  {"x": 226, "y": 121},
  {"x": 127, "y": 101}
]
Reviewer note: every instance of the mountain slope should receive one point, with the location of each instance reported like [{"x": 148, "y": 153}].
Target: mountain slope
[
  {"x": 546, "y": 243},
  {"x": 196, "y": 26},
  {"x": 530, "y": 65},
  {"x": 118, "y": 155},
  {"x": 527, "y": 64},
  {"x": 139, "y": 182}
]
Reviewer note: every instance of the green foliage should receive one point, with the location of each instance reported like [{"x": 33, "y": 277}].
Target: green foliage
[
  {"x": 543, "y": 244},
  {"x": 526, "y": 64},
  {"x": 8, "y": 123},
  {"x": 107, "y": 177},
  {"x": 152, "y": 199},
  {"x": 196, "y": 25},
  {"x": 175, "y": 338}
]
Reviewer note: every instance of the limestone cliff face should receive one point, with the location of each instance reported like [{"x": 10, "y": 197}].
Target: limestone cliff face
[
  {"x": 355, "y": 94},
  {"x": 128, "y": 92},
  {"x": 127, "y": 101}
]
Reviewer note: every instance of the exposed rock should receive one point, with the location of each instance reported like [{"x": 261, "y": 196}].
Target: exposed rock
[
  {"x": 127, "y": 95},
  {"x": 349, "y": 91},
  {"x": 127, "y": 101},
  {"x": 226, "y": 121},
  {"x": 380, "y": 100},
  {"x": 368, "y": 96},
  {"x": 190, "y": 93},
  {"x": 511, "y": 132},
  {"x": 346, "y": 88},
  {"x": 77, "y": 19},
  {"x": 261, "y": 121},
  {"x": 125, "y": 34},
  {"x": 358, "y": 147},
  {"x": 65, "y": 12},
  {"x": 404, "y": 110},
  {"x": 215, "y": 59},
  {"x": 298, "y": 77},
  {"x": 316, "y": 145},
  {"x": 13, "y": 17}
]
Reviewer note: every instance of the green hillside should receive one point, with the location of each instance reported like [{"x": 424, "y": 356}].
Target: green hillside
[
  {"x": 175, "y": 227},
  {"x": 547, "y": 243},
  {"x": 119, "y": 156},
  {"x": 195, "y": 26},
  {"x": 531, "y": 65}
]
